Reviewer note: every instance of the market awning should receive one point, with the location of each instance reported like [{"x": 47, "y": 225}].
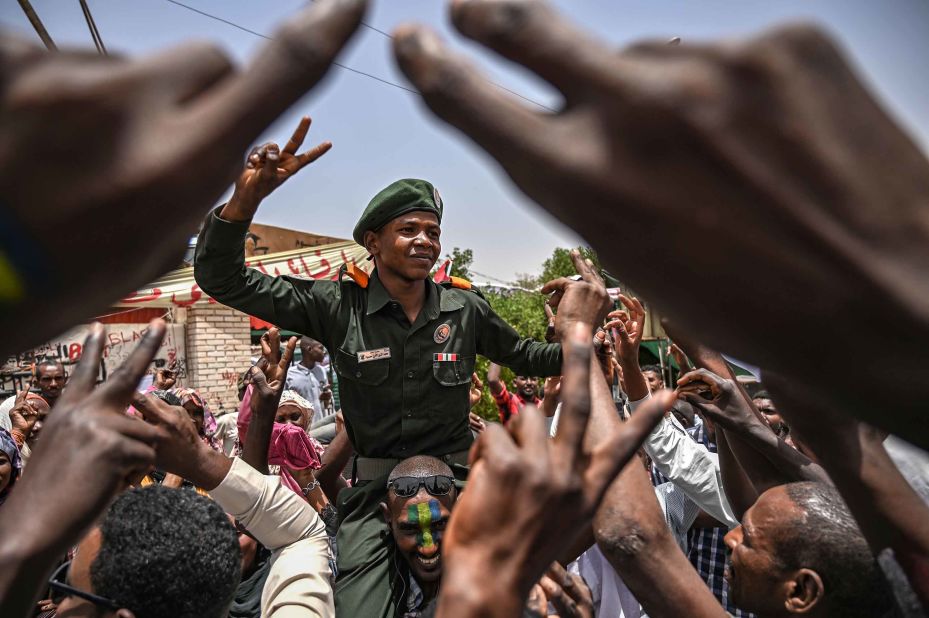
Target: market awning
[{"x": 179, "y": 289}]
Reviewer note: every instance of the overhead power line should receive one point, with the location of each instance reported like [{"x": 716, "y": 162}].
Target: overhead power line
[
  {"x": 339, "y": 64},
  {"x": 94, "y": 33},
  {"x": 33, "y": 18}
]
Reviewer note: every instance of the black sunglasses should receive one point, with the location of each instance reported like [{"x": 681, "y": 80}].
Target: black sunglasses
[
  {"x": 60, "y": 590},
  {"x": 408, "y": 486}
]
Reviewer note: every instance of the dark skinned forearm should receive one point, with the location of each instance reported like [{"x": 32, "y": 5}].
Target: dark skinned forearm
[
  {"x": 763, "y": 458},
  {"x": 888, "y": 511},
  {"x": 334, "y": 460},
  {"x": 740, "y": 491},
  {"x": 493, "y": 379},
  {"x": 257, "y": 442},
  {"x": 631, "y": 532}
]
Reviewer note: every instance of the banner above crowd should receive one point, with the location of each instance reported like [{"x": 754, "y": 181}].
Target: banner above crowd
[{"x": 179, "y": 289}]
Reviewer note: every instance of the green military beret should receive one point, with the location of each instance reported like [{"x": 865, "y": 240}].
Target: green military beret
[{"x": 399, "y": 198}]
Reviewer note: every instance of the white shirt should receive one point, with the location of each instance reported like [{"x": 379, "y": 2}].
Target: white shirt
[
  {"x": 298, "y": 581},
  {"x": 689, "y": 465}
]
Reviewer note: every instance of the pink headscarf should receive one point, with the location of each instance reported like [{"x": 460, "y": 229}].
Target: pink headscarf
[{"x": 290, "y": 446}]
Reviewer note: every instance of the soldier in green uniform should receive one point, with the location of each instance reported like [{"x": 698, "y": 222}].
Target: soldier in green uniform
[{"x": 404, "y": 348}]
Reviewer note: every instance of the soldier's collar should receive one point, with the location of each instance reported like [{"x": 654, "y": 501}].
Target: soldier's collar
[
  {"x": 438, "y": 298},
  {"x": 377, "y": 294}
]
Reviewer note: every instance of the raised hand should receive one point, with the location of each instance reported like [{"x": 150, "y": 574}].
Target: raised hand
[
  {"x": 525, "y": 490},
  {"x": 569, "y": 593},
  {"x": 88, "y": 451},
  {"x": 267, "y": 168},
  {"x": 661, "y": 145},
  {"x": 679, "y": 357},
  {"x": 719, "y": 399},
  {"x": 273, "y": 363},
  {"x": 477, "y": 390},
  {"x": 583, "y": 301},
  {"x": 165, "y": 377},
  {"x": 180, "y": 450},
  {"x": 476, "y": 423},
  {"x": 22, "y": 411},
  {"x": 159, "y": 139},
  {"x": 628, "y": 329}
]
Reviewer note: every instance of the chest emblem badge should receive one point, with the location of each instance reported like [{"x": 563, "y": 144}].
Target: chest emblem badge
[{"x": 442, "y": 333}]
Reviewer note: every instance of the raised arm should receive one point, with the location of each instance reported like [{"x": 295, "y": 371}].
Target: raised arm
[
  {"x": 171, "y": 127},
  {"x": 524, "y": 491},
  {"x": 632, "y": 533},
  {"x": 88, "y": 452},
  {"x": 688, "y": 464},
  {"x": 847, "y": 227},
  {"x": 302, "y": 305},
  {"x": 740, "y": 490},
  {"x": 889, "y": 512},
  {"x": 724, "y": 404},
  {"x": 298, "y": 581},
  {"x": 493, "y": 380},
  {"x": 268, "y": 379}
]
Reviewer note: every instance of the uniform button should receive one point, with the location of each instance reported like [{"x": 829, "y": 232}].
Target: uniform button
[
  {"x": 357, "y": 374},
  {"x": 409, "y": 374},
  {"x": 409, "y": 413}
]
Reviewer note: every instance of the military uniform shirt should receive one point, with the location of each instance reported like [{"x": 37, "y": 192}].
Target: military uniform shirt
[{"x": 403, "y": 387}]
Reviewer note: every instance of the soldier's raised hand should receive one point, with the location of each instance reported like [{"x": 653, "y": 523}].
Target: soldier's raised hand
[{"x": 268, "y": 167}]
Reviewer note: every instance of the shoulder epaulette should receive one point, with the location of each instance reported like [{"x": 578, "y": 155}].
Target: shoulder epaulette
[
  {"x": 458, "y": 282},
  {"x": 462, "y": 284},
  {"x": 356, "y": 274}
]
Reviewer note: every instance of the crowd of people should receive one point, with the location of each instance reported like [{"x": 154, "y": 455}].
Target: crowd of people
[{"x": 604, "y": 490}]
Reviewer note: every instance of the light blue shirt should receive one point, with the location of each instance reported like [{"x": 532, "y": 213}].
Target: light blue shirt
[{"x": 308, "y": 383}]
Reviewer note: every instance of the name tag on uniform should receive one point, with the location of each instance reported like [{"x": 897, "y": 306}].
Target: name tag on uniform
[
  {"x": 373, "y": 355},
  {"x": 444, "y": 357}
]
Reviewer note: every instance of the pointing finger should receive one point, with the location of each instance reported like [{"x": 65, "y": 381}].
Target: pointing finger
[
  {"x": 124, "y": 380},
  {"x": 85, "y": 375}
]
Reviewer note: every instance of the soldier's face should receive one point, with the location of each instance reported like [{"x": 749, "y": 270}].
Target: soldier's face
[{"x": 409, "y": 245}]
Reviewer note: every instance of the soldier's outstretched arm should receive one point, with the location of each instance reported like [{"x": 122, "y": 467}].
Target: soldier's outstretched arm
[{"x": 302, "y": 305}]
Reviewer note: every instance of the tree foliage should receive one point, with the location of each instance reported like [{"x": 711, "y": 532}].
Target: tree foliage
[
  {"x": 560, "y": 264},
  {"x": 461, "y": 262},
  {"x": 521, "y": 309}
]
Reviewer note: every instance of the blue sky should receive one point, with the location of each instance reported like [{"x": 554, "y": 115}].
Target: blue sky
[{"x": 381, "y": 133}]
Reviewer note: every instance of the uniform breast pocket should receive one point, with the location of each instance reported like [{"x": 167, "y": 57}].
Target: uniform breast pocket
[
  {"x": 453, "y": 372},
  {"x": 370, "y": 373}
]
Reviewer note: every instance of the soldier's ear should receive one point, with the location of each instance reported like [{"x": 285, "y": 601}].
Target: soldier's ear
[{"x": 371, "y": 242}]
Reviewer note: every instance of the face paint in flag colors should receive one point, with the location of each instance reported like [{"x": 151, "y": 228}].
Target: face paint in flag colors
[{"x": 424, "y": 514}]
